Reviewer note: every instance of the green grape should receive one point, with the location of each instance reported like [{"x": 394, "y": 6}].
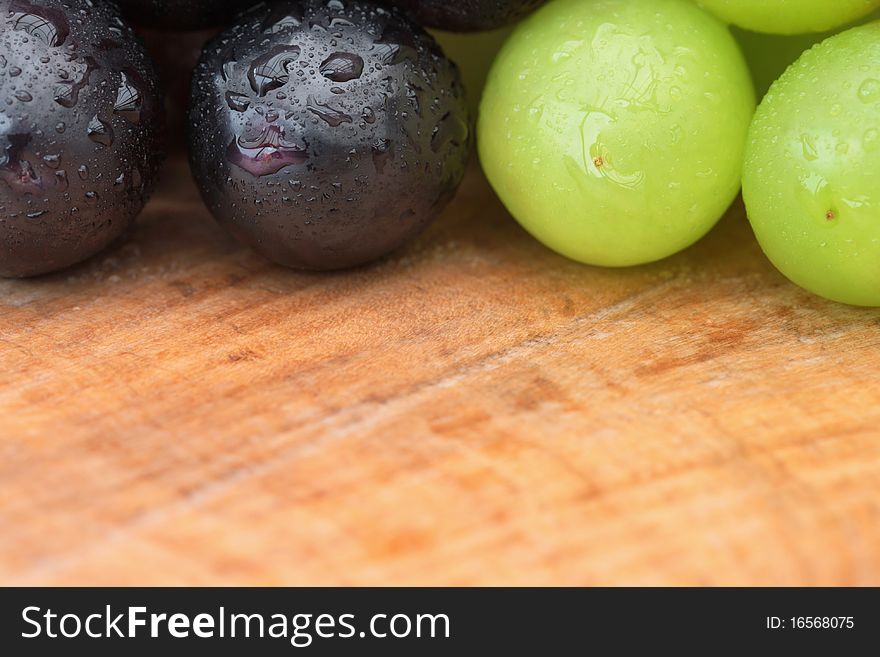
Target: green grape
[
  {"x": 614, "y": 130},
  {"x": 812, "y": 168},
  {"x": 790, "y": 16},
  {"x": 474, "y": 53}
]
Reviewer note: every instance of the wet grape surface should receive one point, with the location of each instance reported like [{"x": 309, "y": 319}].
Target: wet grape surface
[
  {"x": 326, "y": 134},
  {"x": 80, "y": 116}
]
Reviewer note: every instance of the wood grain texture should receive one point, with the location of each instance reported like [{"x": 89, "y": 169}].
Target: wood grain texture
[{"x": 474, "y": 410}]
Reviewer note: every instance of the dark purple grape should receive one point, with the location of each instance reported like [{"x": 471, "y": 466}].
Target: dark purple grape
[
  {"x": 325, "y": 133},
  {"x": 80, "y": 111},
  {"x": 182, "y": 14},
  {"x": 467, "y": 15}
]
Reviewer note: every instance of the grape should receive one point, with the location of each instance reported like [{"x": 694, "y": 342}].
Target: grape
[
  {"x": 324, "y": 134},
  {"x": 79, "y": 132},
  {"x": 790, "y": 16},
  {"x": 812, "y": 166},
  {"x": 613, "y": 130},
  {"x": 467, "y": 15}
]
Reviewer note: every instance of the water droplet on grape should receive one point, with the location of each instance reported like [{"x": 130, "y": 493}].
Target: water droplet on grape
[
  {"x": 869, "y": 91},
  {"x": 272, "y": 70},
  {"x": 44, "y": 23},
  {"x": 237, "y": 102},
  {"x": 100, "y": 132},
  {"x": 67, "y": 91},
  {"x": 128, "y": 101},
  {"x": 808, "y": 148},
  {"x": 342, "y": 67},
  {"x": 330, "y": 115}
]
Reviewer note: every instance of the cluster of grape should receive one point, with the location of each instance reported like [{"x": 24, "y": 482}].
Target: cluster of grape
[
  {"x": 326, "y": 133},
  {"x": 323, "y": 133},
  {"x": 618, "y": 131}
]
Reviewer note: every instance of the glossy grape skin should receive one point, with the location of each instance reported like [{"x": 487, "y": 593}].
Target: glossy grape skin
[
  {"x": 327, "y": 134},
  {"x": 613, "y": 130},
  {"x": 80, "y": 129},
  {"x": 182, "y": 14},
  {"x": 790, "y": 16},
  {"x": 812, "y": 168},
  {"x": 467, "y": 15}
]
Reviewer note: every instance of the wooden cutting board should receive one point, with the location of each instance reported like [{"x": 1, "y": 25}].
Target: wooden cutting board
[{"x": 473, "y": 410}]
